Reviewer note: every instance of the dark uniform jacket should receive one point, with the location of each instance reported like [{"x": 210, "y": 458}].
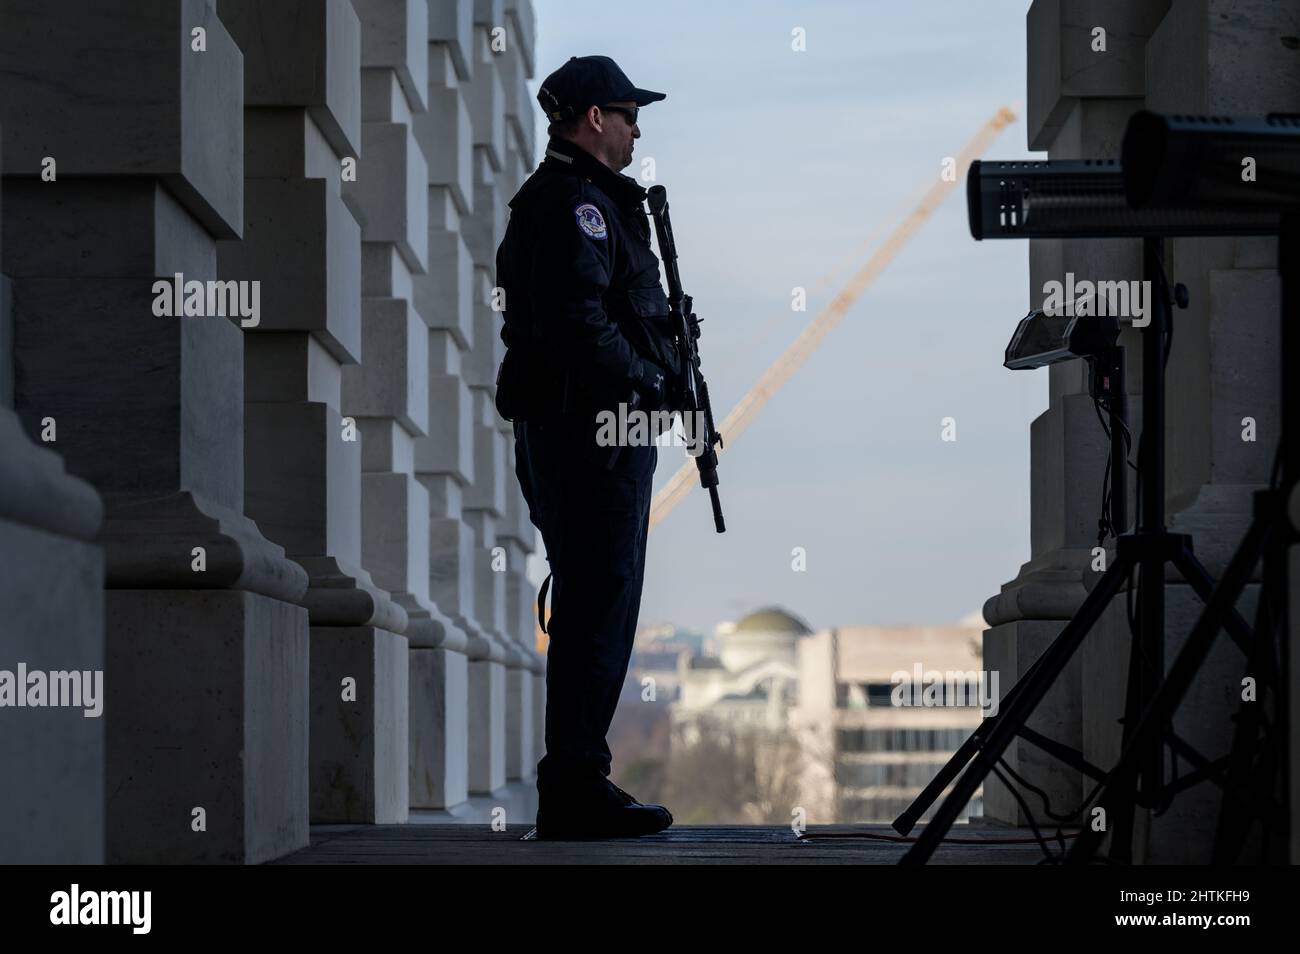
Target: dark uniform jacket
[{"x": 586, "y": 321}]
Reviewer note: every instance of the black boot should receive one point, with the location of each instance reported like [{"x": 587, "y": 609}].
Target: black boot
[{"x": 588, "y": 806}]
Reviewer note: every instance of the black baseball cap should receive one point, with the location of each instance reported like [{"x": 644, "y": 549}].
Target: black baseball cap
[{"x": 587, "y": 81}]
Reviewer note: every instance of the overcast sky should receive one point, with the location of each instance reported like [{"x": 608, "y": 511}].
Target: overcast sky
[{"x": 779, "y": 166}]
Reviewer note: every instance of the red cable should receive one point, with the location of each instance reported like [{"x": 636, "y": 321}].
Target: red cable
[{"x": 953, "y": 841}]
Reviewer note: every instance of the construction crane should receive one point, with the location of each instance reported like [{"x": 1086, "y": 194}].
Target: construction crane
[{"x": 784, "y": 367}]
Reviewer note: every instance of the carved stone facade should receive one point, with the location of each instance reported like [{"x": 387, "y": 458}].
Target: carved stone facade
[{"x": 290, "y": 538}]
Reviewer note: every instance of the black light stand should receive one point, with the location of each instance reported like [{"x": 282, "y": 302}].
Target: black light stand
[
  {"x": 1194, "y": 159},
  {"x": 1085, "y": 199}
]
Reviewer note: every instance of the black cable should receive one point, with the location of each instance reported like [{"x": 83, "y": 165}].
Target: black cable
[
  {"x": 1033, "y": 825},
  {"x": 1047, "y": 804},
  {"x": 1048, "y": 856},
  {"x": 1133, "y": 584},
  {"x": 1128, "y": 438},
  {"x": 1106, "y": 523},
  {"x": 1042, "y": 795}
]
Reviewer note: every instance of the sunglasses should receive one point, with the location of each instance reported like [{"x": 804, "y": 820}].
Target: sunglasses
[{"x": 630, "y": 112}]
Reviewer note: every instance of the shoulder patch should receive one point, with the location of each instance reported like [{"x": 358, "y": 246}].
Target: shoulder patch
[{"x": 590, "y": 220}]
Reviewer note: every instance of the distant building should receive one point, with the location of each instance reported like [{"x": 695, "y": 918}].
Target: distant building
[
  {"x": 865, "y": 716},
  {"x": 867, "y": 757},
  {"x": 641, "y": 727},
  {"x": 751, "y": 683},
  {"x": 666, "y": 637},
  {"x": 657, "y": 655}
]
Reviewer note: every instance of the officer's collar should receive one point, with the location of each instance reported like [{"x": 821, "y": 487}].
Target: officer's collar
[{"x": 567, "y": 156}]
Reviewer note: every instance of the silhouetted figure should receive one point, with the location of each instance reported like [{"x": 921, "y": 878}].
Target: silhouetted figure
[{"x": 586, "y": 329}]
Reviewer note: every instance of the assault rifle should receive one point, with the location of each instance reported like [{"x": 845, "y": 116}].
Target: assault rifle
[{"x": 695, "y": 393}]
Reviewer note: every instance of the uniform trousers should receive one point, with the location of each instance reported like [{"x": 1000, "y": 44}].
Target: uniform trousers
[{"x": 594, "y": 523}]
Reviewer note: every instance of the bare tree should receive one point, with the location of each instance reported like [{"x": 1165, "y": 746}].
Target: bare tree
[{"x": 727, "y": 774}]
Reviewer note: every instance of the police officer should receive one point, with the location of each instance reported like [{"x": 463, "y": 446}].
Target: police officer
[{"x": 586, "y": 329}]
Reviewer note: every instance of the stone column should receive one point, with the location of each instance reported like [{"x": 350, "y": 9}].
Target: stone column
[
  {"x": 517, "y": 66},
  {"x": 515, "y": 532},
  {"x": 138, "y": 107},
  {"x": 444, "y": 461},
  {"x": 302, "y": 71},
  {"x": 516, "y": 542},
  {"x": 485, "y": 499},
  {"x": 1078, "y": 103},
  {"x": 47, "y": 522},
  {"x": 390, "y": 392}
]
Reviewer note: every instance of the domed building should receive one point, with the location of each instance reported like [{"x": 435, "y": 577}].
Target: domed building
[
  {"x": 753, "y": 679},
  {"x": 768, "y": 633},
  {"x": 862, "y": 756}
]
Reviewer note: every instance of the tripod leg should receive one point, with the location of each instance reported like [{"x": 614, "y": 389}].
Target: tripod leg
[
  {"x": 905, "y": 822},
  {"x": 1201, "y": 581},
  {"x": 1234, "y": 820},
  {"x": 1148, "y": 736},
  {"x": 1254, "y": 761},
  {"x": 1018, "y": 710},
  {"x": 1134, "y": 696}
]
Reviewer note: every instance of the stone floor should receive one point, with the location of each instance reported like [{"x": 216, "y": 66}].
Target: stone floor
[{"x": 692, "y": 844}]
